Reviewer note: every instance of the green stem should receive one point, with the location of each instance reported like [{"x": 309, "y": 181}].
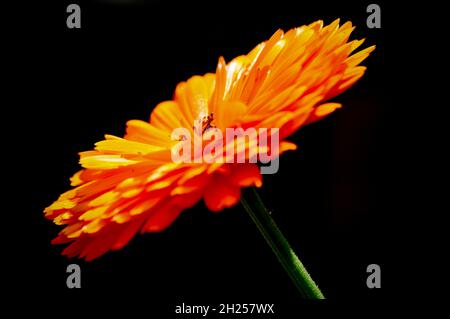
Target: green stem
[{"x": 280, "y": 246}]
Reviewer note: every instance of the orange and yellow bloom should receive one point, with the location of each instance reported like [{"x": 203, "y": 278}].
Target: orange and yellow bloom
[{"x": 131, "y": 184}]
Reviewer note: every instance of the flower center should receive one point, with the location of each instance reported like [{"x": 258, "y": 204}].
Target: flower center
[{"x": 207, "y": 122}]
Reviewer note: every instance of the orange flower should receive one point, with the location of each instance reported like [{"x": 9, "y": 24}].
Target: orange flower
[{"x": 130, "y": 184}]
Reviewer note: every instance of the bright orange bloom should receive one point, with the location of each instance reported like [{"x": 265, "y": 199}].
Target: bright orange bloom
[{"x": 130, "y": 184}]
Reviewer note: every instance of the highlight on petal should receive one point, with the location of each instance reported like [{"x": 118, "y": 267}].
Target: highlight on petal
[{"x": 322, "y": 111}]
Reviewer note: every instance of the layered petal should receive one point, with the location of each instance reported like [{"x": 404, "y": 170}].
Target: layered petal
[{"x": 130, "y": 184}]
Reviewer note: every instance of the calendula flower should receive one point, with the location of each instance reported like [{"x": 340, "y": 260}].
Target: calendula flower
[{"x": 132, "y": 184}]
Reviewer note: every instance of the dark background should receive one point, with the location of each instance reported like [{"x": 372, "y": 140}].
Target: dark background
[{"x": 335, "y": 198}]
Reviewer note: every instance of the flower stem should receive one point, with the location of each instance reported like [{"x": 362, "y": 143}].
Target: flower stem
[{"x": 280, "y": 246}]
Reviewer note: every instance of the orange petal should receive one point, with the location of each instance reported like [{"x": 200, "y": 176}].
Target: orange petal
[
  {"x": 322, "y": 111},
  {"x": 220, "y": 194},
  {"x": 244, "y": 175}
]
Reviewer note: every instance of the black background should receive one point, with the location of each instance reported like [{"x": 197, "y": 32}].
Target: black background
[{"x": 334, "y": 198}]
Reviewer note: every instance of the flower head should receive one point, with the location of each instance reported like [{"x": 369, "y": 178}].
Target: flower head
[{"x": 132, "y": 184}]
